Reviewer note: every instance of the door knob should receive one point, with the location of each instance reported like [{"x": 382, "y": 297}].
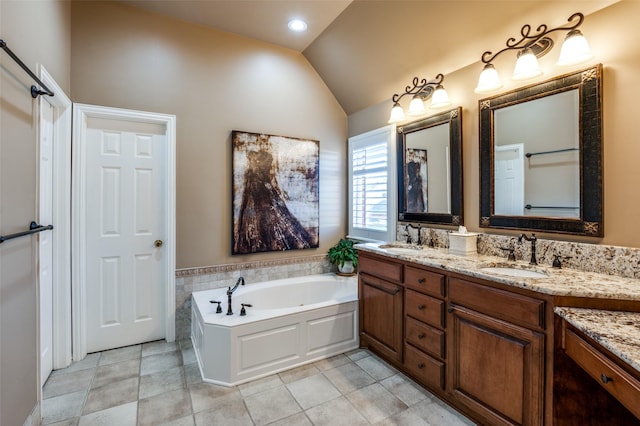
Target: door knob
[{"x": 158, "y": 243}]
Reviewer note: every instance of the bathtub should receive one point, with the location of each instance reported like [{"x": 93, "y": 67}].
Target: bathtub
[{"x": 292, "y": 322}]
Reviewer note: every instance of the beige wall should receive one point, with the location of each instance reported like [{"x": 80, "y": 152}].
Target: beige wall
[
  {"x": 612, "y": 34},
  {"x": 39, "y": 33},
  {"x": 214, "y": 83}
]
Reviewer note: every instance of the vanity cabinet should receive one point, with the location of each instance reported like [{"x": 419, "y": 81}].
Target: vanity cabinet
[
  {"x": 496, "y": 345},
  {"x": 425, "y": 326},
  {"x": 619, "y": 382},
  {"x": 381, "y": 307}
]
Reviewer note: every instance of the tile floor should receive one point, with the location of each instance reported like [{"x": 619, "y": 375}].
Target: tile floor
[{"x": 159, "y": 383}]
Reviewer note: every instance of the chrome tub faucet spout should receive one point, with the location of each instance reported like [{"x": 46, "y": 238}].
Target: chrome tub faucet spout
[{"x": 230, "y": 292}]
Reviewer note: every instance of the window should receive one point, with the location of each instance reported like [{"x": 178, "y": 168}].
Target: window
[{"x": 372, "y": 183}]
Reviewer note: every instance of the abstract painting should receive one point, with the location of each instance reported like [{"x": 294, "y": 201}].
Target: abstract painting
[
  {"x": 416, "y": 180},
  {"x": 275, "y": 193}
]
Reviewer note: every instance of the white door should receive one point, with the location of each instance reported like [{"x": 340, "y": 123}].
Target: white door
[
  {"x": 509, "y": 180},
  {"x": 125, "y": 227},
  {"x": 45, "y": 238}
]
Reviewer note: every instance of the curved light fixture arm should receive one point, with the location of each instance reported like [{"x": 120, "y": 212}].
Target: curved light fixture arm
[
  {"x": 419, "y": 86},
  {"x": 529, "y": 39}
]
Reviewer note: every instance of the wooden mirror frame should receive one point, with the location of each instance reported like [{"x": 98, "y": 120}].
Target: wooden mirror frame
[
  {"x": 454, "y": 118},
  {"x": 590, "y": 222}
]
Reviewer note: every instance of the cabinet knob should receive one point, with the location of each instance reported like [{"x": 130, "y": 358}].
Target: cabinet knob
[
  {"x": 420, "y": 307},
  {"x": 421, "y": 280},
  {"x": 158, "y": 243},
  {"x": 450, "y": 310},
  {"x": 421, "y": 365},
  {"x": 605, "y": 379},
  {"x": 421, "y": 336}
]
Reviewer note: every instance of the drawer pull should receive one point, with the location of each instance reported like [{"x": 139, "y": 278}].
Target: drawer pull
[
  {"x": 420, "y": 307},
  {"x": 421, "y": 280},
  {"x": 605, "y": 379},
  {"x": 421, "y": 336},
  {"x": 421, "y": 365}
]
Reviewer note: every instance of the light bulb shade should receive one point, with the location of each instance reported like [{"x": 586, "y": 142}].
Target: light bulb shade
[
  {"x": 575, "y": 49},
  {"x": 526, "y": 66},
  {"x": 440, "y": 98},
  {"x": 416, "y": 107},
  {"x": 489, "y": 80},
  {"x": 397, "y": 114}
]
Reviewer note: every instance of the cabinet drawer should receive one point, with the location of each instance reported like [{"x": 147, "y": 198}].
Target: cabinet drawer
[
  {"x": 424, "y": 281},
  {"x": 425, "y": 369},
  {"x": 424, "y": 308},
  {"x": 622, "y": 385},
  {"x": 497, "y": 303},
  {"x": 380, "y": 268},
  {"x": 424, "y": 337}
]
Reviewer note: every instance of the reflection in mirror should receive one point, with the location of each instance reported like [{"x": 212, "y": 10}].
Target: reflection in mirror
[
  {"x": 537, "y": 166},
  {"x": 541, "y": 156},
  {"x": 430, "y": 169}
]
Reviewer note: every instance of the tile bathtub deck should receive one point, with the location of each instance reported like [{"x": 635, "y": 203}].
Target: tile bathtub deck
[{"x": 158, "y": 383}]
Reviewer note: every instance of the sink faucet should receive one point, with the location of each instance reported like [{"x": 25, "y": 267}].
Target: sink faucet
[
  {"x": 230, "y": 292},
  {"x": 533, "y": 240}
]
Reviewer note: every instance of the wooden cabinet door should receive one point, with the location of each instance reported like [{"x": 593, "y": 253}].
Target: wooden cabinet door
[
  {"x": 381, "y": 316},
  {"x": 495, "y": 368}
]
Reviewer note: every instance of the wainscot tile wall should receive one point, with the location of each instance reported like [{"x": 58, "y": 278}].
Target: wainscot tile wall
[
  {"x": 611, "y": 260},
  {"x": 222, "y": 276}
]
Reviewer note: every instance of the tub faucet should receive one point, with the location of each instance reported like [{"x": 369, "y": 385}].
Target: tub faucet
[
  {"x": 533, "y": 240},
  {"x": 230, "y": 292}
]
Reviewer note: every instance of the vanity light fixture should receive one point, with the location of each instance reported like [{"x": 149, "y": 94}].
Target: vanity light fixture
[
  {"x": 421, "y": 91},
  {"x": 530, "y": 47}
]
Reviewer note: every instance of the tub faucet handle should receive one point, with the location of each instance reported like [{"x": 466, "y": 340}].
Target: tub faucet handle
[
  {"x": 243, "y": 311},
  {"x": 219, "y": 308}
]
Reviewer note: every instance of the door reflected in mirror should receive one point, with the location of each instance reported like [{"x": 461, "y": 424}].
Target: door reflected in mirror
[
  {"x": 430, "y": 169},
  {"x": 537, "y": 157}
]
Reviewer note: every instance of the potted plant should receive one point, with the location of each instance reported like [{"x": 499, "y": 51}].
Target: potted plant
[{"x": 344, "y": 256}]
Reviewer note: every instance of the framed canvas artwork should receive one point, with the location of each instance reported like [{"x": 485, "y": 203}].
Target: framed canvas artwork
[
  {"x": 416, "y": 180},
  {"x": 275, "y": 193}
]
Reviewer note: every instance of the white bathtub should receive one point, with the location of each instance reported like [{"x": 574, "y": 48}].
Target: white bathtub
[{"x": 292, "y": 322}]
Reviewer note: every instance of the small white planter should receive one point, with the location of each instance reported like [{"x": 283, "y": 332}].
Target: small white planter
[{"x": 346, "y": 268}]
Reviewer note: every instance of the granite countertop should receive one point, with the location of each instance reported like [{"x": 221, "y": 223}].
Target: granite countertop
[
  {"x": 557, "y": 282},
  {"x": 619, "y": 332}
]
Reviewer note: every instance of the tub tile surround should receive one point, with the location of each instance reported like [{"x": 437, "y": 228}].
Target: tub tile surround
[
  {"x": 585, "y": 257},
  {"x": 222, "y": 276},
  {"x": 616, "y": 331}
]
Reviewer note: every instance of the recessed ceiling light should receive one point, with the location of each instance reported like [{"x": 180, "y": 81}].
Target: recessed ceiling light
[{"x": 297, "y": 25}]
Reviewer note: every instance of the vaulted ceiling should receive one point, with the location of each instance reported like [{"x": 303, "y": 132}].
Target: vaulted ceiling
[{"x": 367, "y": 50}]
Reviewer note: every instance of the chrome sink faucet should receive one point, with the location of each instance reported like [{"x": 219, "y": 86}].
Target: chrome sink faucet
[
  {"x": 533, "y": 240},
  {"x": 230, "y": 292}
]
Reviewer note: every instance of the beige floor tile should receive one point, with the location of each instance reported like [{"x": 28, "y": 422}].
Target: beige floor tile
[
  {"x": 68, "y": 383},
  {"x": 164, "y": 408},
  {"x": 357, "y": 354},
  {"x": 348, "y": 377},
  {"x": 405, "y": 390},
  {"x": 299, "y": 419},
  {"x": 111, "y": 373},
  {"x": 271, "y": 405},
  {"x": 204, "y": 396},
  {"x": 332, "y": 362},
  {"x": 375, "y": 367},
  {"x": 260, "y": 385},
  {"x": 183, "y": 421},
  {"x": 158, "y": 362},
  {"x": 158, "y": 347},
  {"x": 121, "y": 354},
  {"x": 375, "y": 403},
  {"x": 63, "y": 407},
  {"x": 90, "y": 361},
  {"x": 436, "y": 413},
  {"x": 313, "y": 390},
  {"x": 337, "y": 412},
  {"x": 298, "y": 373},
  {"x": 229, "y": 411},
  {"x": 161, "y": 382},
  {"x": 121, "y": 415},
  {"x": 192, "y": 374},
  {"x": 111, "y": 395}
]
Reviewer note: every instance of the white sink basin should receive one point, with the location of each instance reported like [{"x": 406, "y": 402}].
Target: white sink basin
[
  {"x": 515, "y": 272},
  {"x": 401, "y": 250}
]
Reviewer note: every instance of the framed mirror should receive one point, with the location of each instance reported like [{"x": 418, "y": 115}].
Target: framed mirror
[
  {"x": 541, "y": 156},
  {"x": 430, "y": 169}
]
